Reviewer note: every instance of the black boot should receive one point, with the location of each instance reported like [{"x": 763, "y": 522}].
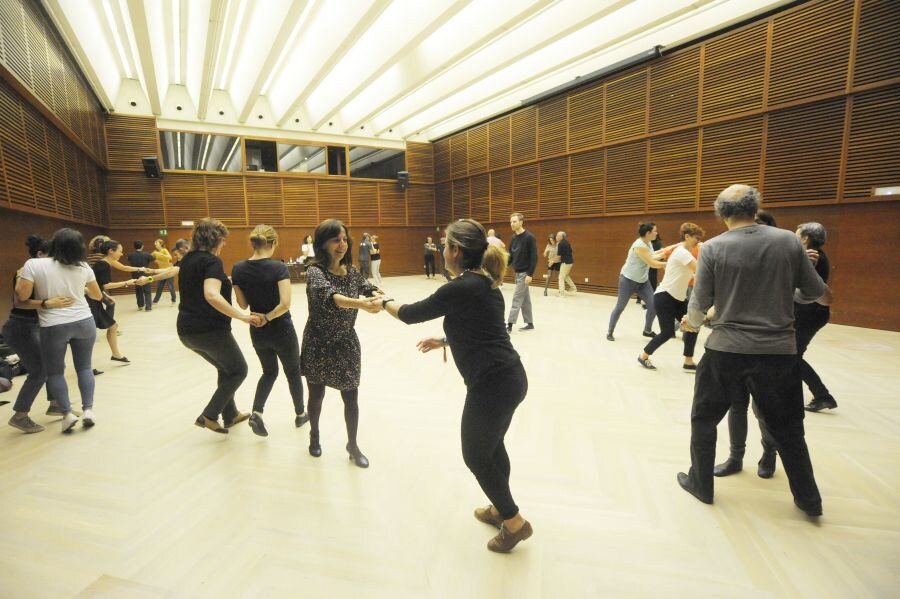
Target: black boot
[
  {"x": 732, "y": 465},
  {"x": 766, "y": 467}
]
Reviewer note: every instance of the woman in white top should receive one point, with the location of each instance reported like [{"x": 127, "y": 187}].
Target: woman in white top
[
  {"x": 64, "y": 274},
  {"x": 551, "y": 253},
  {"x": 306, "y": 250},
  {"x": 634, "y": 278},
  {"x": 670, "y": 300}
]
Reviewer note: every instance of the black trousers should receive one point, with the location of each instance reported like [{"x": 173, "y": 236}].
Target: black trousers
[
  {"x": 273, "y": 342},
  {"x": 143, "y": 293},
  {"x": 806, "y": 325},
  {"x": 774, "y": 380},
  {"x": 429, "y": 265},
  {"x": 219, "y": 348},
  {"x": 668, "y": 311},
  {"x": 486, "y": 417}
]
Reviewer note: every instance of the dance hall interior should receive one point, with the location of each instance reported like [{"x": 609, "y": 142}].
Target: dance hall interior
[{"x": 592, "y": 139}]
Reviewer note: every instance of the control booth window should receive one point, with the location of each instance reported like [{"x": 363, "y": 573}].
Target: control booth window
[
  {"x": 376, "y": 163},
  {"x": 186, "y": 151}
]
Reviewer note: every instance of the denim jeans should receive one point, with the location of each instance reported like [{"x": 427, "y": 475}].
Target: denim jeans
[
  {"x": 627, "y": 287},
  {"x": 54, "y": 340},
  {"x": 273, "y": 342}
]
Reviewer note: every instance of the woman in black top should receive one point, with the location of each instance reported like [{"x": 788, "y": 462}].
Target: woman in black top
[
  {"x": 22, "y": 333},
  {"x": 105, "y": 309},
  {"x": 204, "y": 322},
  {"x": 474, "y": 324},
  {"x": 264, "y": 285},
  {"x": 430, "y": 249}
]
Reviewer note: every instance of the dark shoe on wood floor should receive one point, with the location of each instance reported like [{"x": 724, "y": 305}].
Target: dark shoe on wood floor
[
  {"x": 301, "y": 419},
  {"x": 685, "y": 482},
  {"x": 817, "y": 405},
  {"x": 728, "y": 467},
  {"x": 257, "y": 425},
  {"x": 766, "y": 467},
  {"x": 813, "y": 511},
  {"x": 315, "y": 450}
]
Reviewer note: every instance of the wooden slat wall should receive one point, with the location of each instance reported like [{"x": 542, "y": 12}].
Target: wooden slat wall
[
  {"x": 130, "y": 139},
  {"x": 420, "y": 162},
  {"x": 802, "y": 104}
]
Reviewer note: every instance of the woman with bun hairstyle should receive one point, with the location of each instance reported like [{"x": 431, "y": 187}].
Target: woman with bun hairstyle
[
  {"x": 475, "y": 330},
  {"x": 264, "y": 285},
  {"x": 64, "y": 274},
  {"x": 22, "y": 333},
  {"x": 331, "y": 354}
]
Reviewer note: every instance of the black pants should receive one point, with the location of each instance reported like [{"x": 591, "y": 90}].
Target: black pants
[
  {"x": 668, "y": 311},
  {"x": 273, "y": 342},
  {"x": 774, "y": 380},
  {"x": 806, "y": 325},
  {"x": 219, "y": 348},
  {"x": 143, "y": 293},
  {"x": 486, "y": 417},
  {"x": 429, "y": 265}
]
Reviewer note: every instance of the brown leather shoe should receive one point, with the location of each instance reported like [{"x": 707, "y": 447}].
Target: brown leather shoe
[
  {"x": 213, "y": 425},
  {"x": 241, "y": 416},
  {"x": 484, "y": 514},
  {"x": 505, "y": 540}
]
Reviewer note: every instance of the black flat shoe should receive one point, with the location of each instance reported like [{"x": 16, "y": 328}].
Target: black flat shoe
[
  {"x": 766, "y": 467},
  {"x": 97, "y": 372},
  {"x": 257, "y": 425},
  {"x": 728, "y": 467},
  {"x": 813, "y": 511},
  {"x": 609, "y": 337},
  {"x": 817, "y": 405},
  {"x": 685, "y": 483},
  {"x": 301, "y": 419},
  {"x": 122, "y": 359},
  {"x": 357, "y": 456},
  {"x": 528, "y": 327},
  {"x": 315, "y": 450},
  {"x": 650, "y": 334}
]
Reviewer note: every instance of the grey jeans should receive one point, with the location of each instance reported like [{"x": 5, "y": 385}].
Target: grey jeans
[
  {"x": 627, "y": 287},
  {"x": 54, "y": 340},
  {"x": 521, "y": 300}
]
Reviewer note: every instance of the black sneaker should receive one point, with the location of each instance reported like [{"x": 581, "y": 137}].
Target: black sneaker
[
  {"x": 509, "y": 327},
  {"x": 609, "y": 337},
  {"x": 817, "y": 405},
  {"x": 650, "y": 334},
  {"x": 646, "y": 363},
  {"x": 257, "y": 425},
  {"x": 301, "y": 419}
]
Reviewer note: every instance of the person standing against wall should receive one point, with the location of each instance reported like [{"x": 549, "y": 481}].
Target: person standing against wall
[
  {"x": 523, "y": 260},
  {"x": 564, "y": 249},
  {"x": 430, "y": 249},
  {"x": 365, "y": 256},
  {"x": 163, "y": 261},
  {"x": 376, "y": 260},
  {"x": 141, "y": 259}
]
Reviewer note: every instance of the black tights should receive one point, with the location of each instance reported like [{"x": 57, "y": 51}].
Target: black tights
[{"x": 351, "y": 410}]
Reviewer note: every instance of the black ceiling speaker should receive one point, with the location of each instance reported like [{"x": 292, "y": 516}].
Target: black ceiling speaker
[
  {"x": 151, "y": 167},
  {"x": 403, "y": 179}
]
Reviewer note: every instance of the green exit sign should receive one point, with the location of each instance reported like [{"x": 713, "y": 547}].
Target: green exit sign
[{"x": 163, "y": 231}]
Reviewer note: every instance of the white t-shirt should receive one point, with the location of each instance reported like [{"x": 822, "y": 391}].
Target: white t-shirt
[
  {"x": 678, "y": 274},
  {"x": 52, "y": 279},
  {"x": 307, "y": 250}
]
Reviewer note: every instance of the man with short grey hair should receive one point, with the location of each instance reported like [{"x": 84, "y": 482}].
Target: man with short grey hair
[
  {"x": 749, "y": 275},
  {"x": 564, "y": 250}
]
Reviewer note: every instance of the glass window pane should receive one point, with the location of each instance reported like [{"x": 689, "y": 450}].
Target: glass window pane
[
  {"x": 376, "y": 163},
  {"x": 294, "y": 158},
  {"x": 185, "y": 151}
]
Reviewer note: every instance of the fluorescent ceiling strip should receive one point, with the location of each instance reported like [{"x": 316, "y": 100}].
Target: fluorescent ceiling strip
[
  {"x": 178, "y": 147},
  {"x": 226, "y": 75},
  {"x": 205, "y": 152},
  {"x": 288, "y": 46},
  {"x": 227, "y": 160},
  {"x": 117, "y": 39}
]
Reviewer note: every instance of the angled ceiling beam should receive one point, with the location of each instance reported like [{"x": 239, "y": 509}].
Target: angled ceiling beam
[
  {"x": 645, "y": 27},
  {"x": 358, "y": 30},
  {"x": 435, "y": 24},
  {"x": 142, "y": 38},
  {"x": 182, "y": 40},
  {"x": 278, "y": 45},
  {"x": 450, "y": 62},
  {"x": 68, "y": 34},
  {"x": 513, "y": 59},
  {"x": 211, "y": 55}
]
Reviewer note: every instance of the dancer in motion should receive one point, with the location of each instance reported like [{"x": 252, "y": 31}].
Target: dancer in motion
[
  {"x": 472, "y": 309},
  {"x": 634, "y": 277}
]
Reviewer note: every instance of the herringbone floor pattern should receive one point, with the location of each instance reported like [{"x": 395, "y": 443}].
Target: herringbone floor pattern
[{"x": 147, "y": 505}]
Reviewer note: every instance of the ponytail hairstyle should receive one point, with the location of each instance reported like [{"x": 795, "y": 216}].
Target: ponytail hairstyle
[
  {"x": 327, "y": 230},
  {"x": 108, "y": 246},
  {"x": 471, "y": 239},
  {"x": 95, "y": 243},
  {"x": 262, "y": 236},
  {"x": 37, "y": 244}
]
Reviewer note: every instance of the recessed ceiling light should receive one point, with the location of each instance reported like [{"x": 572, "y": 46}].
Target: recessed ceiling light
[
  {"x": 133, "y": 103},
  {"x": 259, "y": 116},
  {"x": 221, "y": 113},
  {"x": 330, "y": 123},
  {"x": 296, "y": 120},
  {"x": 178, "y": 108}
]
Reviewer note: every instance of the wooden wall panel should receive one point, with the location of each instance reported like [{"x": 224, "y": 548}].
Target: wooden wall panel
[
  {"x": 420, "y": 162},
  {"x": 525, "y": 190},
  {"x": 731, "y": 154},
  {"x": 626, "y": 173},
  {"x": 552, "y": 125},
  {"x": 38, "y": 154},
  {"x": 586, "y": 118},
  {"x": 479, "y": 197},
  {"x": 625, "y": 112},
  {"x": 478, "y": 149},
  {"x": 498, "y": 143},
  {"x": 461, "y": 207},
  {"x": 734, "y": 71},
  {"x": 523, "y": 135},
  {"x": 442, "y": 160},
  {"x": 459, "y": 155},
  {"x": 803, "y": 153},
  {"x": 134, "y": 200},
  {"x": 501, "y": 195},
  {"x": 57, "y": 176},
  {"x": 185, "y": 198},
  {"x": 333, "y": 200},
  {"x": 392, "y": 202},
  {"x": 226, "y": 200},
  {"x": 810, "y": 51},
  {"x": 15, "y": 39},
  {"x": 420, "y": 205},
  {"x": 673, "y": 171},
  {"x": 131, "y": 138},
  {"x": 300, "y": 203},
  {"x": 554, "y": 187},
  {"x": 588, "y": 177},
  {"x": 674, "y": 90},
  {"x": 878, "y": 42},
  {"x": 14, "y": 149},
  {"x": 443, "y": 204},
  {"x": 873, "y": 155},
  {"x": 363, "y": 203}
]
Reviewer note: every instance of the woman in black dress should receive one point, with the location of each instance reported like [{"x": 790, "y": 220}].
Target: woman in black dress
[
  {"x": 475, "y": 329},
  {"x": 264, "y": 285},
  {"x": 330, "y": 356}
]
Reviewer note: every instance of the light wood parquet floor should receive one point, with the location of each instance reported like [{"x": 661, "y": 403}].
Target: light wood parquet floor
[{"x": 147, "y": 505}]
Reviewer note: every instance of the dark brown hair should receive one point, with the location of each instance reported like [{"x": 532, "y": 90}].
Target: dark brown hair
[{"x": 207, "y": 234}]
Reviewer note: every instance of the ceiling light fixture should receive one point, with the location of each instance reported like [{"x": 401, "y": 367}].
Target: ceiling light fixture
[
  {"x": 234, "y": 146},
  {"x": 176, "y": 35},
  {"x": 231, "y": 49},
  {"x": 288, "y": 46},
  {"x": 205, "y": 153},
  {"x": 178, "y": 146},
  {"x": 117, "y": 39}
]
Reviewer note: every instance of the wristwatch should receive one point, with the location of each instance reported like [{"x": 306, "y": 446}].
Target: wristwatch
[{"x": 384, "y": 302}]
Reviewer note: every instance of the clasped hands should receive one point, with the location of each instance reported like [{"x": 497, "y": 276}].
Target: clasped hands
[{"x": 60, "y": 301}]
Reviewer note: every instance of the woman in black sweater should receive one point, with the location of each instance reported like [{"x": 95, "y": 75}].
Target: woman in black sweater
[{"x": 474, "y": 324}]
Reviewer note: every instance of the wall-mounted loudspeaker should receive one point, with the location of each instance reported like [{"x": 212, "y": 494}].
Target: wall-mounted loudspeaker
[
  {"x": 403, "y": 179},
  {"x": 151, "y": 167}
]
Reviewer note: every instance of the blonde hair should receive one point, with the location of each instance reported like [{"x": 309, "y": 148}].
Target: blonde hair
[
  {"x": 95, "y": 243},
  {"x": 471, "y": 239},
  {"x": 262, "y": 236}
]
